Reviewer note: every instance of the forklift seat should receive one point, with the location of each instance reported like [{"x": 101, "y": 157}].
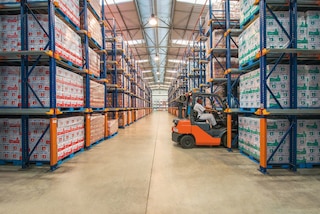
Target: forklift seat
[{"x": 195, "y": 117}]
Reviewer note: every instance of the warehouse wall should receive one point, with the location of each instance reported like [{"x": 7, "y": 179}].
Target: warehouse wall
[{"x": 160, "y": 99}]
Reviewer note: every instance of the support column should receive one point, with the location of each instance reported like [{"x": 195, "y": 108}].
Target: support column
[{"x": 53, "y": 143}]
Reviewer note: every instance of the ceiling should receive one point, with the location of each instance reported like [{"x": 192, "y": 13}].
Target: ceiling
[{"x": 176, "y": 21}]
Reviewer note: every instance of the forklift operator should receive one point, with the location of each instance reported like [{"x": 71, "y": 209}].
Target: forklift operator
[{"x": 204, "y": 116}]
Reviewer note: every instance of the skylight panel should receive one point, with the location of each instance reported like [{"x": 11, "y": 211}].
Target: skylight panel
[
  {"x": 175, "y": 60},
  {"x": 181, "y": 42},
  {"x": 111, "y": 2},
  {"x": 201, "y": 2},
  {"x": 142, "y": 61},
  {"x": 136, "y": 42}
]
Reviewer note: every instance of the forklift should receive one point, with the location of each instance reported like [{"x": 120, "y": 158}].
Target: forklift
[{"x": 189, "y": 131}]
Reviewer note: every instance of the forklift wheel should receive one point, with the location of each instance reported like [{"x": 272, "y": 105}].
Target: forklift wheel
[
  {"x": 224, "y": 141},
  {"x": 187, "y": 142}
]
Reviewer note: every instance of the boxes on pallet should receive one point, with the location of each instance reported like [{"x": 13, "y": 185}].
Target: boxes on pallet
[
  {"x": 219, "y": 40},
  {"x": 69, "y": 88},
  {"x": 66, "y": 134},
  {"x": 308, "y": 86},
  {"x": 96, "y": 94},
  {"x": 10, "y": 33},
  {"x": 94, "y": 62},
  {"x": 313, "y": 23},
  {"x": 218, "y": 12},
  {"x": 112, "y": 127},
  {"x": 10, "y": 139},
  {"x": 70, "y": 8},
  {"x": 247, "y": 10},
  {"x": 94, "y": 27},
  {"x": 123, "y": 118},
  {"x": 302, "y": 41},
  {"x": 278, "y": 83},
  {"x": 249, "y": 138},
  {"x": 10, "y": 81},
  {"x": 10, "y": 39},
  {"x": 249, "y": 40},
  {"x": 97, "y": 123},
  {"x": 96, "y": 5}
]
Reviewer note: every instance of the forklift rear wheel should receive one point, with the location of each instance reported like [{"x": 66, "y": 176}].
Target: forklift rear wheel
[
  {"x": 187, "y": 142},
  {"x": 224, "y": 141}
]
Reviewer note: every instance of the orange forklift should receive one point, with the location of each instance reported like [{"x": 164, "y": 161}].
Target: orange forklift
[{"x": 188, "y": 131}]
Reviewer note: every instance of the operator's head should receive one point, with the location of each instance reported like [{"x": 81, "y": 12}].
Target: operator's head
[{"x": 199, "y": 100}]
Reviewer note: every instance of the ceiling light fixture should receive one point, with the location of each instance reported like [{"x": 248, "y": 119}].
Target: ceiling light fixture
[
  {"x": 153, "y": 21},
  {"x": 156, "y": 58}
]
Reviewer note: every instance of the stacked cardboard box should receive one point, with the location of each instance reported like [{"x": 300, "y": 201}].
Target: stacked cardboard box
[
  {"x": 313, "y": 34},
  {"x": 308, "y": 86},
  {"x": 10, "y": 139},
  {"x": 70, "y": 135},
  {"x": 96, "y": 94},
  {"x": 308, "y": 148},
  {"x": 113, "y": 126},
  {"x": 308, "y": 135},
  {"x": 279, "y": 83},
  {"x": 94, "y": 28},
  {"x": 219, "y": 40},
  {"x": 219, "y": 66},
  {"x": 94, "y": 63},
  {"x": 249, "y": 40},
  {"x": 97, "y": 123},
  {"x": 123, "y": 118},
  {"x": 308, "y": 34},
  {"x": 218, "y": 12},
  {"x": 120, "y": 80},
  {"x": 70, "y": 138},
  {"x": 249, "y": 138},
  {"x": 69, "y": 87},
  {"x": 96, "y": 5},
  {"x": 247, "y": 10}
]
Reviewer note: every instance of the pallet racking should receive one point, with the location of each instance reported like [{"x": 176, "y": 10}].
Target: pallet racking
[
  {"x": 267, "y": 60},
  {"x": 46, "y": 112}
]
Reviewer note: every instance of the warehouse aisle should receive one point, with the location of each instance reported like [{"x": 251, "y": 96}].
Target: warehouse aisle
[{"x": 142, "y": 171}]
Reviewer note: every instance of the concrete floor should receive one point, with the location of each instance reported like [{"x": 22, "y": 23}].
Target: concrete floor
[{"x": 142, "y": 171}]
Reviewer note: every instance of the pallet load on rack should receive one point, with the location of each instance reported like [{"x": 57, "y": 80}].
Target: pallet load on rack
[
  {"x": 249, "y": 138},
  {"x": 308, "y": 134},
  {"x": 96, "y": 94},
  {"x": 279, "y": 81},
  {"x": 97, "y": 128},
  {"x": 247, "y": 11},
  {"x": 218, "y": 12},
  {"x": 93, "y": 25},
  {"x": 113, "y": 127},
  {"x": 308, "y": 36},
  {"x": 308, "y": 145},
  {"x": 70, "y": 138},
  {"x": 10, "y": 40},
  {"x": 94, "y": 63},
  {"x": 69, "y": 87},
  {"x": 123, "y": 117},
  {"x": 97, "y": 6}
]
